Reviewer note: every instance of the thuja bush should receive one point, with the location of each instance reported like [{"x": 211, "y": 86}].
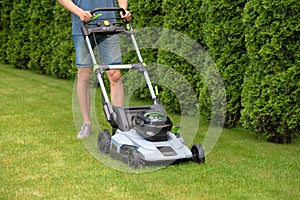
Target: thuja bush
[
  {"x": 17, "y": 50},
  {"x": 271, "y": 89},
  {"x": 41, "y": 17},
  {"x": 176, "y": 55},
  {"x": 51, "y": 47},
  {"x": 146, "y": 13},
  {"x": 38, "y": 37},
  {"x": 5, "y": 9},
  {"x": 62, "y": 57},
  {"x": 224, "y": 37}
]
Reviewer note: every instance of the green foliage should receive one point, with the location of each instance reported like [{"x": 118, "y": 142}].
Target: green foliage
[
  {"x": 37, "y": 36},
  {"x": 62, "y": 58},
  {"x": 271, "y": 90},
  {"x": 176, "y": 72},
  {"x": 184, "y": 16},
  {"x": 177, "y": 57},
  {"x": 224, "y": 38},
  {"x": 5, "y": 8},
  {"x": 16, "y": 49},
  {"x": 40, "y": 27},
  {"x": 147, "y": 13}
]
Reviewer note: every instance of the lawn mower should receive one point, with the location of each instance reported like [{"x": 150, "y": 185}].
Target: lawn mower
[{"x": 142, "y": 135}]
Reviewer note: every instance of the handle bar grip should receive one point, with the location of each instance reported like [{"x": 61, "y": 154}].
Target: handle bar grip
[{"x": 109, "y": 9}]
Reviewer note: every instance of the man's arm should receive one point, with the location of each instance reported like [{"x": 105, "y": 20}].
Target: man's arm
[
  {"x": 82, "y": 14},
  {"x": 123, "y": 4}
]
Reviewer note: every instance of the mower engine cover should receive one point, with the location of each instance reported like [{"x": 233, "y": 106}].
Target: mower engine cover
[{"x": 153, "y": 126}]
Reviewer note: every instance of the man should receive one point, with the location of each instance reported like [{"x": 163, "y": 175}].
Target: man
[{"x": 109, "y": 48}]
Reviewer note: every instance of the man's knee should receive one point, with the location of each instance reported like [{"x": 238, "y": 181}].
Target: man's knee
[
  {"x": 114, "y": 76},
  {"x": 84, "y": 75}
]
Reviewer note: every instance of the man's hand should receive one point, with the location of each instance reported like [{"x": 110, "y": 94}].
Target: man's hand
[
  {"x": 127, "y": 15},
  {"x": 85, "y": 16}
]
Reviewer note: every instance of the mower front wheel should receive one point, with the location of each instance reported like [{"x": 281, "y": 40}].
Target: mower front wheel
[
  {"x": 104, "y": 140},
  {"x": 134, "y": 158},
  {"x": 198, "y": 153}
]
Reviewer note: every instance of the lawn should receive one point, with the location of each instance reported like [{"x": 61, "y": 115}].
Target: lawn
[{"x": 41, "y": 158}]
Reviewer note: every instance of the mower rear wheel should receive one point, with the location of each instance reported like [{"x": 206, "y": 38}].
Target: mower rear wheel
[
  {"x": 198, "y": 153},
  {"x": 104, "y": 140}
]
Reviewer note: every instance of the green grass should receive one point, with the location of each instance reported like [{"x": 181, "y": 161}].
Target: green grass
[{"x": 40, "y": 157}]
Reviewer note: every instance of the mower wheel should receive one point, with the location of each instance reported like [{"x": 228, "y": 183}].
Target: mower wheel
[
  {"x": 134, "y": 158},
  {"x": 198, "y": 153},
  {"x": 104, "y": 141}
]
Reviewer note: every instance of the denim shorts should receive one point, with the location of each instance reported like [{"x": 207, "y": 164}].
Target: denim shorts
[{"x": 109, "y": 47}]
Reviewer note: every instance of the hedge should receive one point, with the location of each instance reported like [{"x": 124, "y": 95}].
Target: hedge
[
  {"x": 179, "y": 16},
  {"x": 224, "y": 37},
  {"x": 5, "y": 9},
  {"x": 271, "y": 89},
  {"x": 254, "y": 45},
  {"x": 17, "y": 52},
  {"x": 40, "y": 27},
  {"x": 62, "y": 58}
]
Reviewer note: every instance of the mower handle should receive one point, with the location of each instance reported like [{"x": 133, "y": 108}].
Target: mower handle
[{"x": 109, "y": 9}]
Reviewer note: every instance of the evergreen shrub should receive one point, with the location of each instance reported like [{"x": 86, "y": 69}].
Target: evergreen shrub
[{"x": 271, "y": 89}]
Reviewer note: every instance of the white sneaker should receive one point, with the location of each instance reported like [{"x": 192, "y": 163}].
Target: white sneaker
[{"x": 85, "y": 131}]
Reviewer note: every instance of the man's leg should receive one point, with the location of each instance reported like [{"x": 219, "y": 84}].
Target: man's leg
[
  {"x": 116, "y": 87},
  {"x": 83, "y": 61},
  {"x": 83, "y": 93},
  {"x": 111, "y": 54}
]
